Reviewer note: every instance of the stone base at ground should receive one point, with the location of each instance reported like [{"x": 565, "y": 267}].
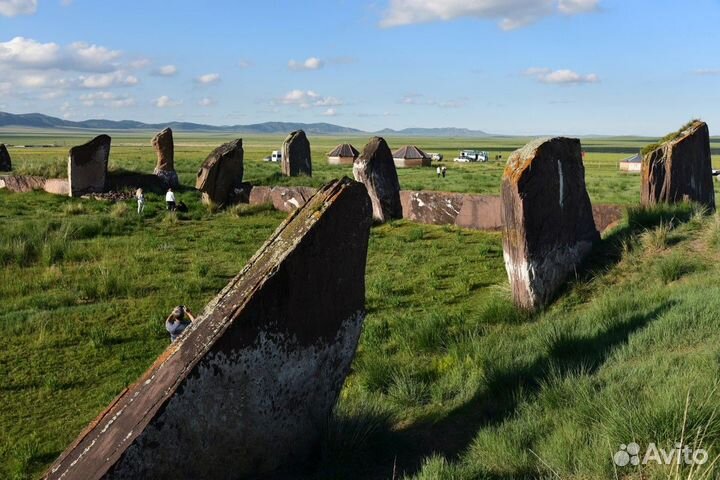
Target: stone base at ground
[
  {"x": 476, "y": 212},
  {"x": 285, "y": 199},
  {"x": 249, "y": 387},
  {"x": 22, "y": 183},
  {"x": 169, "y": 178}
]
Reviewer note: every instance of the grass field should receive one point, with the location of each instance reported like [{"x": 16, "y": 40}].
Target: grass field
[
  {"x": 133, "y": 152},
  {"x": 450, "y": 380}
]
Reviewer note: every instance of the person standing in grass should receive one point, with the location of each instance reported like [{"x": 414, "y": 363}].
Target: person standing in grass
[
  {"x": 179, "y": 319},
  {"x": 170, "y": 200},
  {"x": 439, "y": 171},
  {"x": 140, "y": 200},
  {"x": 444, "y": 171}
]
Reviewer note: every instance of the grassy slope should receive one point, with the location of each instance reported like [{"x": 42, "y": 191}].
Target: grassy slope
[{"x": 450, "y": 380}]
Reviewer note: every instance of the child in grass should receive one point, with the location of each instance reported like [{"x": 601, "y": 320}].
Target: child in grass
[
  {"x": 140, "y": 200},
  {"x": 176, "y": 323}
]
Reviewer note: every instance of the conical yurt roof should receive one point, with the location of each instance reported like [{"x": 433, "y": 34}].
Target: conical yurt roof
[
  {"x": 410, "y": 152},
  {"x": 344, "y": 150}
]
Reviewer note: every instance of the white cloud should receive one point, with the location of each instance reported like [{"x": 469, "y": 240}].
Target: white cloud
[
  {"x": 206, "y": 102},
  {"x": 165, "y": 102},
  {"x": 418, "y": 99},
  {"x": 106, "y": 99},
  {"x": 10, "y": 8},
  {"x": 140, "y": 63},
  {"x": 107, "y": 80},
  {"x": 509, "y": 14},
  {"x": 167, "y": 70},
  {"x": 330, "y": 112},
  {"x": 52, "y": 95},
  {"x": 245, "y": 64},
  {"x": 307, "y": 99},
  {"x": 312, "y": 63},
  {"x": 564, "y": 76},
  {"x": 707, "y": 72},
  {"x": 26, "y": 53},
  {"x": 208, "y": 78}
]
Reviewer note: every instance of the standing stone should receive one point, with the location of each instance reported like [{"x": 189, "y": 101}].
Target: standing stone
[
  {"x": 5, "y": 162},
  {"x": 296, "y": 158},
  {"x": 221, "y": 173},
  {"x": 87, "y": 166},
  {"x": 680, "y": 169},
  {"x": 248, "y": 388},
  {"x": 548, "y": 226},
  {"x": 165, "y": 151},
  {"x": 376, "y": 169}
]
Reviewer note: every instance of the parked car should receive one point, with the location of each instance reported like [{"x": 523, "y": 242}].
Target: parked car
[
  {"x": 436, "y": 157},
  {"x": 276, "y": 157},
  {"x": 472, "y": 156}
]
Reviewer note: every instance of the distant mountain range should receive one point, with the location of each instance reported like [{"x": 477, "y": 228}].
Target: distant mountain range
[{"x": 38, "y": 120}]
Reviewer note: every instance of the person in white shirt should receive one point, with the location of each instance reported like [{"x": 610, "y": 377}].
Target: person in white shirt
[
  {"x": 140, "y": 200},
  {"x": 170, "y": 200},
  {"x": 439, "y": 171}
]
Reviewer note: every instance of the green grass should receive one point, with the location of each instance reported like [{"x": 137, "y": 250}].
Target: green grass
[{"x": 450, "y": 381}]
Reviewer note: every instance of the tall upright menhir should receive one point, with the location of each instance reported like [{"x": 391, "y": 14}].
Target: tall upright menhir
[
  {"x": 548, "y": 226},
  {"x": 679, "y": 168}
]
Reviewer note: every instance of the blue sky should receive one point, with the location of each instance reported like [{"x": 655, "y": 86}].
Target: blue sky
[{"x": 503, "y": 66}]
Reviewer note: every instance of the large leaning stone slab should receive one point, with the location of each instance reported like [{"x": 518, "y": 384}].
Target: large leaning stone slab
[
  {"x": 87, "y": 166},
  {"x": 221, "y": 173},
  {"x": 248, "y": 388},
  {"x": 376, "y": 169},
  {"x": 5, "y": 161},
  {"x": 680, "y": 169},
  {"x": 548, "y": 226},
  {"x": 296, "y": 156},
  {"x": 165, "y": 151}
]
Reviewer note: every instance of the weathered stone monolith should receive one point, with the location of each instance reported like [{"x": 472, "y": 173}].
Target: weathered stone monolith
[
  {"x": 376, "y": 169},
  {"x": 87, "y": 166},
  {"x": 5, "y": 162},
  {"x": 680, "y": 169},
  {"x": 165, "y": 151},
  {"x": 248, "y": 388},
  {"x": 296, "y": 157},
  {"x": 548, "y": 226},
  {"x": 221, "y": 173}
]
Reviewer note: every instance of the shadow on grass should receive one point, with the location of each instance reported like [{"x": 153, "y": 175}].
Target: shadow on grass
[
  {"x": 365, "y": 446},
  {"x": 394, "y": 453}
]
